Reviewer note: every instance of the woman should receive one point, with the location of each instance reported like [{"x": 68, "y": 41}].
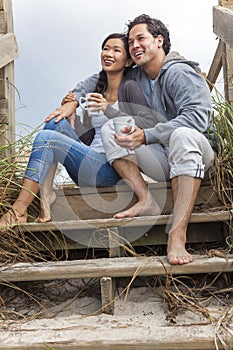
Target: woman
[{"x": 58, "y": 142}]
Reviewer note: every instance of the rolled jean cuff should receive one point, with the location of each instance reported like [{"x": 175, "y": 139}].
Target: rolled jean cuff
[
  {"x": 183, "y": 169},
  {"x": 114, "y": 154},
  {"x": 36, "y": 171}
]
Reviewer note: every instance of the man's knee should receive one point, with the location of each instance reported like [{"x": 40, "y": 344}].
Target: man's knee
[{"x": 185, "y": 137}]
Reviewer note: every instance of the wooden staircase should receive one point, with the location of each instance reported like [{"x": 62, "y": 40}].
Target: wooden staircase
[{"x": 85, "y": 225}]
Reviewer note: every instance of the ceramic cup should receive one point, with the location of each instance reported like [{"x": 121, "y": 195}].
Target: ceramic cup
[
  {"x": 83, "y": 103},
  {"x": 122, "y": 122}
]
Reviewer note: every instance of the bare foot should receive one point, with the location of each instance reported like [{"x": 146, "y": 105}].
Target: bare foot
[
  {"x": 45, "y": 203},
  {"x": 176, "y": 252},
  {"x": 147, "y": 208},
  {"x": 12, "y": 218}
]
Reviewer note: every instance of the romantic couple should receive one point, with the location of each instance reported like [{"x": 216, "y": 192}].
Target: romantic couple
[{"x": 171, "y": 105}]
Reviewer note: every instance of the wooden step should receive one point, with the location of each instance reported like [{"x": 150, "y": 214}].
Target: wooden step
[
  {"x": 140, "y": 231},
  {"x": 103, "y": 202},
  {"x": 208, "y": 216},
  {"x": 112, "y": 267},
  {"x": 111, "y": 334}
]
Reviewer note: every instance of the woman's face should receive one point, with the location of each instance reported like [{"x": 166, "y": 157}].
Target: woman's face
[{"x": 114, "y": 57}]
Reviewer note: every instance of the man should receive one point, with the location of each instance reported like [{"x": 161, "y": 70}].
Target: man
[{"x": 180, "y": 96}]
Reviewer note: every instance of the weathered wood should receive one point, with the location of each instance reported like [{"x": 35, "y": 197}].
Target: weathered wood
[
  {"x": 112, "y": 267},
  {"x": 8, "y": 49},
  {"x": 223, "y": 24},
  {"x": 164, "y": 337},
  {"x": 3, "y": 111},
  {"x": 149, "y": 221},
  {"x": 92, "y": 203},
  {"x": 7, "y": 89},
  {"x": 227, "y": 55},
  {"x": 3, "y": 22},
  {"x": 196, "y": 233},
  {"x": 215, "y": 67},
  {"x": 107, "y": 285},
  {"x": 6, "y": 6},
  {"x": 108, "y": 340}
]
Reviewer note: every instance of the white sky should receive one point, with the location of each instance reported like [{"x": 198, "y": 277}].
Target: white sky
[{"x": 59, "y": 43}]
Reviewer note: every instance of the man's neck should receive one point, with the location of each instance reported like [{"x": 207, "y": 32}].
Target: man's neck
[{"x": 153, "y": 69}]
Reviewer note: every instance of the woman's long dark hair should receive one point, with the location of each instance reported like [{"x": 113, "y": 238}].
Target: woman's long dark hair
[{"x": 102, "y": 83}]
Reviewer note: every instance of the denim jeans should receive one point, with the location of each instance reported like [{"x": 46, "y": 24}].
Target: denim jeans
[{"x": 58, "y": 142}]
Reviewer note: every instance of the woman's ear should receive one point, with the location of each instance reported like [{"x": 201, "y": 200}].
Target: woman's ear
[{"x": 129, "y": 62}]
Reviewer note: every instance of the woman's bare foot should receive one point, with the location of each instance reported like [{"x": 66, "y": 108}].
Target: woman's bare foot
[
  {"x": 45, "y": 204},
  {"x": 147, "y": 208},
  {"x": 12, "y": 218},
  {"x": 176, "y": 252}
]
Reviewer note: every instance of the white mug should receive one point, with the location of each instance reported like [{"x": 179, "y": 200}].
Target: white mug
[
  {"x": 122, "y": 122},
  {"x": 83, "y": 104}
]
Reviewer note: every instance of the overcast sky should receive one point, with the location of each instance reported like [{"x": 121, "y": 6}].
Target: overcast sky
[{"x": 59, "y": 43}]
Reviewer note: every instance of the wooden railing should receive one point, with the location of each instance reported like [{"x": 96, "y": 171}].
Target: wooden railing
[
  {"x": 223, "y": 58},
  {"x": 8, "y": 53}
]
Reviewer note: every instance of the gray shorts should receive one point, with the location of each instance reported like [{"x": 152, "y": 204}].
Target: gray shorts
[{"x": 189, "y": 153}]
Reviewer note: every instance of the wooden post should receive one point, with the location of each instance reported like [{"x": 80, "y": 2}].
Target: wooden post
[
  {"x": 8, "y": 51},
  {"x": 227, "y": 60}
]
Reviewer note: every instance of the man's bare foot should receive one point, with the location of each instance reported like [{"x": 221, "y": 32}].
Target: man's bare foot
[
  {"x": 45, "y": 203},
  {"x": 146, "y": 208},
  {"x": 176, "y": 252},
  {"x": 12, "y": 218}
]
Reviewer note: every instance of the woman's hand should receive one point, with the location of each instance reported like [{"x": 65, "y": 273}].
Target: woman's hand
[{"x": 97, "y": 102}]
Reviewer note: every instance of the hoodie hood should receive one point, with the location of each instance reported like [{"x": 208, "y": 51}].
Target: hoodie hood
[{"x": 174, "y": 57}]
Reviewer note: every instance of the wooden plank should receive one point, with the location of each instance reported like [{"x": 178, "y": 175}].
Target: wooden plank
[
  {"x": 215, "y": 67},
  {"x": 6, "y": 17},
  {"x": 7, "y": 80},
  {"x": 107, "y": 285},
  {"x": 92, "y": 203},
  {"x": 112, "y": 267},
  {"x": 122, "y": 335},
  {"x": 3, "y": 111},
  {"x": 197, "y": 233},
  {"x": 223, "y": 24},
  {"x": 147, "y": 221},
  {"x": 3, "y": 22},
  {"x": 8, "y": 49}
]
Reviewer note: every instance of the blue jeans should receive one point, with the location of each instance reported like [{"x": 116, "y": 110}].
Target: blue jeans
[{"x": 58, "y": 142}]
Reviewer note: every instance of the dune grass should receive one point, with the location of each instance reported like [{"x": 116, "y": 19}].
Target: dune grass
[{"x": 222, "y": 135}]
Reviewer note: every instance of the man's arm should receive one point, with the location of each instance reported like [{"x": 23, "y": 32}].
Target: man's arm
[
  {"x": 81, "y": 89},
  {"x": 85, "y": 86},
  {"x": 191, "y": 99},
  {"x": 62, "y": 112}
]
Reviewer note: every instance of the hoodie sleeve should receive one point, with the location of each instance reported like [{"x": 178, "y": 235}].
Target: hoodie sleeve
[
  {"x": 85, "y": 86},
  {"x": 186, "y": 93}
]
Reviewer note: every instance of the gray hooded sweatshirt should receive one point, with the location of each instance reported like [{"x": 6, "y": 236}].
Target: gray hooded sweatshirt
[{"x": 180, "y": 97}]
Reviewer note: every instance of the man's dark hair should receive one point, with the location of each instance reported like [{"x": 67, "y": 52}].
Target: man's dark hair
[{"x": 155, "y": 27}]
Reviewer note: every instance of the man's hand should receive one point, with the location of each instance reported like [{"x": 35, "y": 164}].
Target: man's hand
[
  {"x": 131, "y": 141},
  {"x": 70, "y": 97},
  {"x": 64, "y": 111}
]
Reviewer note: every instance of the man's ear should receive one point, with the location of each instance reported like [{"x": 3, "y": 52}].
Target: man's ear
[
  {"x": 160, "y": 40},
  {"x": 128, "y": 62}
]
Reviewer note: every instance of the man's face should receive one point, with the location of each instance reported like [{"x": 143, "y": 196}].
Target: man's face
[{"x": 143, "y": 47}]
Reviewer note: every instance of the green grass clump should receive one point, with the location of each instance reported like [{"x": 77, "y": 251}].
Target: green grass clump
[{"x": 223, "y": 139}]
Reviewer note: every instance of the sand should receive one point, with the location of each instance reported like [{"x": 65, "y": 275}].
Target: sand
[{"x": 139, "y": 321}]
